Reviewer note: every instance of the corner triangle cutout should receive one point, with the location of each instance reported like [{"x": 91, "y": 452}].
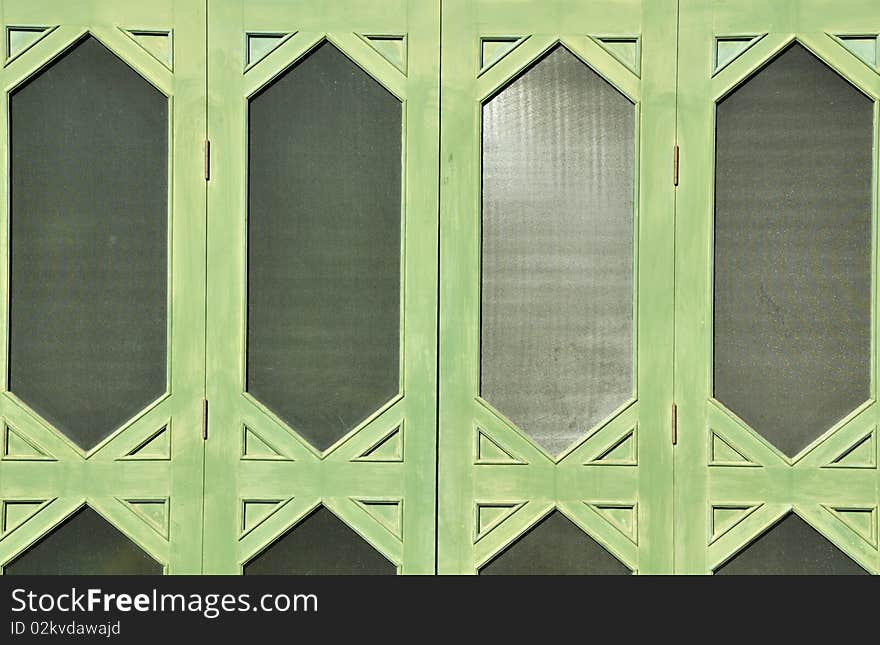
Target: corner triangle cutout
[
  {"x": 14, "y": 513},
  {"x": 255, "y": 448},
  {"x": 20, "y": 39},
  {"x": 156, "y": 42},
  {"x": 490, "y": 451},
  {"x": 723, "y": 453},
  {"x": 623, "y": 517},
  {"x": 156, "y": 447},
  {"x": 494, "y": 48},
  {"x": 725, "y": 516},
  {"x": 388, "y": 448},
  {"x": 256, "y": 511},
  {"x": 154, "y": 512},
  {"x": 623, "y": 452},
  {"x": 626, "y": 49},
  {"x": 864, "y": 47},
  {"x": 391, "y": 48},
  {"x": 258, "y": 45},
  {"x": 389, "y": 513},
  {"x": 17, "y": 447},
  {"x": 861, "y": 454},
  {"x": 861, "y": 520},
  {"x": 729, "y": 48},
  {"x": 489, "y": 516}
]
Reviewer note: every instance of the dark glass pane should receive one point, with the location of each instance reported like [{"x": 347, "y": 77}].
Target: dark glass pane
[
  {"x": 555, "y": 546},
  {"x": 320, "y": 545},
  {"x": 557, "y": 284},
  {"x": 791, "y": 547},
  {"x": 84, "y": 544},
  {"x": 89, "y": 227},
  {"x": 324, "y": 246},
  {"x": 793, "y": 249}
]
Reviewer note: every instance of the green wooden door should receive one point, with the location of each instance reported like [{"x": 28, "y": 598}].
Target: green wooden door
[
  {"x": 341, "y": 339},
  {"x": 322, "y": 292},
  {"x": 776, "y": 283},
  {"x": 556, "y": 302},
  {"x": 103, "y": 255}
]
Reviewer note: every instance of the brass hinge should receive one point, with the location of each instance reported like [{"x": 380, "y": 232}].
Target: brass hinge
[
  {"x": 204, "y": 419},
  {"x": 207, "y": 160},
  {"x": 675, "y": 166},
  {"x": 674, "y": 424}
]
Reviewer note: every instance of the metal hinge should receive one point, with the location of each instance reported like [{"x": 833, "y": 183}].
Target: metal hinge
[
  {"x": 674, "y": 424},
  {"x": 207, "y": 160},
  {"x": 675, "y": 166},
  {"x": 204, "y": 419}
]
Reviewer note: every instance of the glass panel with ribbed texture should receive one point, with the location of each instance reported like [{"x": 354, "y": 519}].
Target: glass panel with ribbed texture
[{"x": 557, "y": 250}]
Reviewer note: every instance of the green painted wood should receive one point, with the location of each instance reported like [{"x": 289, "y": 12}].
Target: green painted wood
[
  {"x": 720, "y": 464},
  {"x": 159, "y": 44},
  {"x": 473, "y": 440},
  {"x": 134, "y": 463},
  {"x": 865, "y": 47},
  {"x": 494, "y": 483},
  {"x": 391, "y": 455}
]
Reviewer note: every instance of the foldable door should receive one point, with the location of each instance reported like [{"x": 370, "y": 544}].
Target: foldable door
[
  {"x": 776, "y": 287},
  {"x": 556, "y": 286},
  {"x": 322, "y": 263}
]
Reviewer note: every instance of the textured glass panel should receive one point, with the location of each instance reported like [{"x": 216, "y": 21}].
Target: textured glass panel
[
  {"x": 791, "y": 547},
  {"x": 320, "y": 545},
  {"x": 84, "y": 544},
  {"x": 557, "y": 287},
  {"x": 793, "y": 249},
  {"x": 324, "y": 246},
  {"x": 89, "y": 219},
  {"x": 555, "y": 546}
]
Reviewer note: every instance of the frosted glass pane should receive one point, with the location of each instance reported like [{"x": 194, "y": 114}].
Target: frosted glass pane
[{"x": 557, "y": 254}]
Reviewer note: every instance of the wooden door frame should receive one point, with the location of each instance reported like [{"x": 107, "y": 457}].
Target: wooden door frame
[
  {"x": 344, "y": 477},
  {"x": 531, "y": 482},
  {"x": 766, "y": 484},
  {"x": 118, "y": 474},
  {"x": 674, "y": 90}
]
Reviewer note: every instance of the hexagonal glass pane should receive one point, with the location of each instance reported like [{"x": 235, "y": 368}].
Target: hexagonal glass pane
[
  {"x": 324, "y": 222},
  {"x": 555, "y": 546},
  {"x": 791, "y": 547},
  {"x": 89, "y": 228},
  {"x": 84, "y": 544},
  {"x": 557, "y": 250},
  {"x": 321, "y": 544},
  {"x": 792, "y": 336}
]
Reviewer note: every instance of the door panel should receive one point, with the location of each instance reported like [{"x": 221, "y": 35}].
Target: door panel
[
  {"x": 556, "y": 274},
  {"x": 104, "y": 324},
  {"x": 776, "y": 467},
  {"x": 322, "y": 287},
  {"x": 580, "y": 292}
]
